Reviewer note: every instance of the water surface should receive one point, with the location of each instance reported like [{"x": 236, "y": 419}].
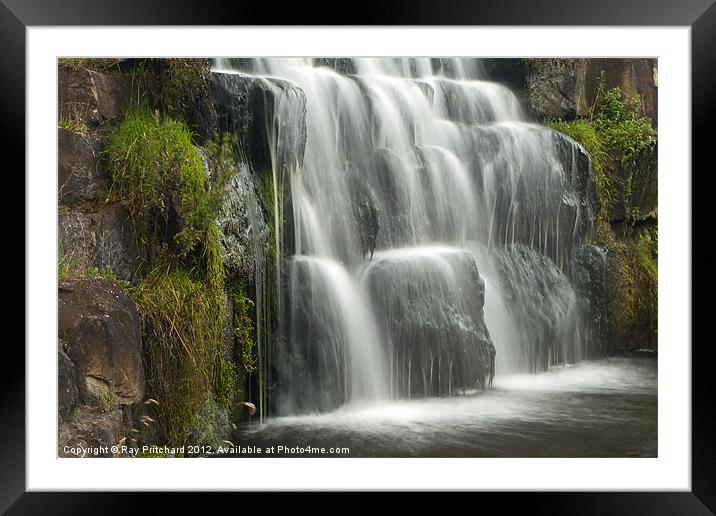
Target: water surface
[{"x": 605, "y": 408}]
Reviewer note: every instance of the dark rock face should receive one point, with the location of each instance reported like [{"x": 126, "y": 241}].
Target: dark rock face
[
  {"x": 268, "y": 115},
  {"x": 643, "y": 201},
  {"x": 588, "y": 274},
  {"x": 102, "y": 239},
  {"x": 101, "y": 327},
  {"x": 80, "y": 177},
  {"x": 556, "y": 89},
  {"x": 243, "y": 225},
  {"x": 342, "y": 65},
  {"x": 365, "y": 210},
  {"x": 431, "y": 306},
  {"x": 67, "y": 384},
  {"x": 92, "y": 97},
  {"x": 90, "y": 427},
  {"x": 543, "y": 304}
]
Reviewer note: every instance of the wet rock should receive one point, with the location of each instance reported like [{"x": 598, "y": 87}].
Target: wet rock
[
  {"x": 244, "y": 228},
  {"x": 91, "y": 97},
  {"x": 101, "y": 239},
  {"x": 543, "y": 307},
  {"x": 101, "y": 327},
  {"x": 365, "y": 210},
  {"x": 342, "y": 65},
  {"x": 588, "y": 274},
  {"x": 642, "y": 203},
  {"x": 269, "y": 115},
  {"x": 80, "y": 177},
  {"x": 436, "y": 322}
]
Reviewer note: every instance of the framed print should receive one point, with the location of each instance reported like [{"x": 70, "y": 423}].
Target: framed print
[{"x": 421, "y": 253}]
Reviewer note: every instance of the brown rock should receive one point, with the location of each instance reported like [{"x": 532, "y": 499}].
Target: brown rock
[
  {"x": 80, "y": 177},
  {"x": 102, "y": 239},
  {"x": 633, "y": 76},
  {"x": 90, "y": 432},
  {"x": 66, "y": 384},
  {"x": 89, "y": 96},
  {"x": 101, "y": 327}
]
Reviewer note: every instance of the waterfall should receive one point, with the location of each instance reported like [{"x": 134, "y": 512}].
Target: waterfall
[{"x": 422, "y": 226}]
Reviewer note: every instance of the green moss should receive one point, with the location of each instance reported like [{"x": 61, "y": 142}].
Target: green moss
[
  {"x": 633, "y": 283},
  {"x": 179, "y": 88},
  {"x": 74, "y": 123},
  {"x": 244, "y": 329},
  {"x": 158, "y": 175},
  {"x": 173, "y": 198},
  {"x": 585, "y": 133},
  {"x": 182, "y": 329},
  {"x": 622, "y": 145},
  {"x": 533, "y": 64},
  {"x": 70, "y": 268}
]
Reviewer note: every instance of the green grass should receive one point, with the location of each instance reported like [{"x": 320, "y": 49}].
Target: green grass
[
  {"x": 158, "y": 175},
  {"x": 585, "y": 133},
  {"x": 173, "y": 200},
  {"x": 621, "y": 143},
  {"x": 244, "y": 329},
  {"x": 182, "y": 330},
  {"x": 633, "y": 282},
  {"x": 74, "y": 123},
  {"x": 92, "y": 63}
]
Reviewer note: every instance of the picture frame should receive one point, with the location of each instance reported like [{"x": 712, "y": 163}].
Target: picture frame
[{"x": 16, "y": 16}]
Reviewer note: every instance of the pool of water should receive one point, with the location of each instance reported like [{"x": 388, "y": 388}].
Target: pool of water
[{"x": 604, "y": 408}]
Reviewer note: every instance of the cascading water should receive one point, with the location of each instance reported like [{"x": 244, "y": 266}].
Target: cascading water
[{"x": 426, "y": 231}]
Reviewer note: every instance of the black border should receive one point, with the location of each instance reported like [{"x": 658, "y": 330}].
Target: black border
[{"x": 700, "y": 15}]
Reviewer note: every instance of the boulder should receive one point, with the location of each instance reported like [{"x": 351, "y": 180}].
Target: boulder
[
  {"x": 542, "y": 304},
  {"x": 91, "y": 97},
  {"x": 430, "y": 303},
  {"x": 101, "y": 239},
  {"x": 101, "y": 327},
  {"x": 250, "y": 106},
  {"x": 80, "y": 177},
  {"x": 66, "y": 383}
]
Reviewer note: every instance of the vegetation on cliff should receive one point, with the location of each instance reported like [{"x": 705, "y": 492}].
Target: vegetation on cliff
[
  {"x": 173, "y": 197},
  {"x": 622, "y": 145}
]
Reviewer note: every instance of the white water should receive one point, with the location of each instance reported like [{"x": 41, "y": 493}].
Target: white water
[
  {"x": 469, "y": 199},
  {"x": 605, "y": 408}
]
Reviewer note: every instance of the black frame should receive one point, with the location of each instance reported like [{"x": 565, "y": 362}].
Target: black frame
[{"x": 700, "y": 15}]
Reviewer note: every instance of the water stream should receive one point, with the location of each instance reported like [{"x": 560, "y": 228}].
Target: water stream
[{"x": 431, "y": 230}]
